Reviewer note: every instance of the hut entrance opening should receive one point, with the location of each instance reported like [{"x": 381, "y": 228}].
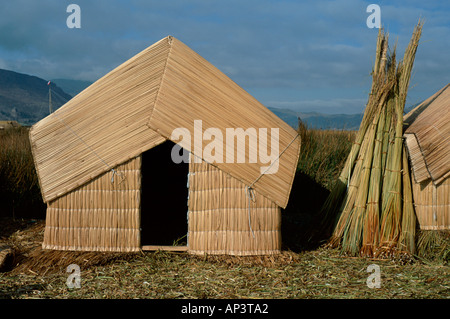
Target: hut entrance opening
[{"x": 164, "y": 198}]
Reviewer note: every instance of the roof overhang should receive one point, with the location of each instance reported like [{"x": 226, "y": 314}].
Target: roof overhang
[{"x": 427, "y": 137}]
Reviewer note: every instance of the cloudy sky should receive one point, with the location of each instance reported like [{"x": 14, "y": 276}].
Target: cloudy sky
[{"x": 301, "y": 55}]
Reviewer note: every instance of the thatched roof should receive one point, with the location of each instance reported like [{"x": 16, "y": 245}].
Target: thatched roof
[
  {"x": 428, "y": 137},
  {"x": 138, "y": 105}
]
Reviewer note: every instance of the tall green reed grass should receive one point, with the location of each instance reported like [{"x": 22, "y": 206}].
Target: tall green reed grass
[
  {"x": 20, "y": 195},
  {"x": 323, "y": 153}
]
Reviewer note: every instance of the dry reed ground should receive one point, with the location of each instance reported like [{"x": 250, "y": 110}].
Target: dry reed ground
[{"x": 321, "y": 273}]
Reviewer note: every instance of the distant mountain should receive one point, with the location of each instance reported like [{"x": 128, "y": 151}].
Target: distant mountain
[
  {"x": 325, "y": 121},
  {"x": 287, "y": 115},
  {"x": 72, "y": 87},
  {"x": 332, "y": 121},
  {"x": 25, "y": 98},
  {"x": 319, "y": 120}
]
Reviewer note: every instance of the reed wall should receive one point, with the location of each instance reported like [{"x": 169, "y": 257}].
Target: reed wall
[
  {"x": 427, "y": 136},
  {"x": 219, "y": 216},
  {"x": 432, "y": 204},
  {"x": 102, "y": 215},
  {"x": 105, "y": 216}
]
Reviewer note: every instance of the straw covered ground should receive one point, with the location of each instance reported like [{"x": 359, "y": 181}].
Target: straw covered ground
[{"x": 319, "y": 273}]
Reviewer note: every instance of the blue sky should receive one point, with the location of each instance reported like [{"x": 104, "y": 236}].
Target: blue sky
[{"x": 302, "y": 55}]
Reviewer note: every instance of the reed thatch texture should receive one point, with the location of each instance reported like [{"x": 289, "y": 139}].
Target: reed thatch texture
[
  {"x": 101, "y": 127},
  {"x": 427, "y": 137},
  {"x": 193, "y": 89},
  {"x": 138, "y": 105},
  {"x": 220, "y": 217},
  {"x": 432, "y": 204},
  {"x": 102, "y": 215},
  {"x": 418, "y": 164}
]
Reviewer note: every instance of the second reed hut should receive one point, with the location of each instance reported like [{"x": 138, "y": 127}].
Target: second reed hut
[
  {"x": 427, "y": 137},
  {"x": 106, "y": 171}
]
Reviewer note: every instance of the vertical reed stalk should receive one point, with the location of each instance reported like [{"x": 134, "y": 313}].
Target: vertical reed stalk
[{"x": 373, "y": 200}]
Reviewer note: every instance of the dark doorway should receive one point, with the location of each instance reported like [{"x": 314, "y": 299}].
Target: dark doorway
[
  {"x": 164, "y": 196},
  {"x": 300, "y": 218}
]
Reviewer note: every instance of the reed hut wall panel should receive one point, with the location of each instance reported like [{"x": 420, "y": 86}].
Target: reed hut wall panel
[
  {"x": 102, "y": 215},
  {"x": 432, "y": 204},
  {"x": 221, "y": 220},
  {"x": 427, "y": 137}
]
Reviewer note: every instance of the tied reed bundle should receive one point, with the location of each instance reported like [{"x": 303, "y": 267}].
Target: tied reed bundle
[
  {"x": 370, "y": 209},
  {"x": 408, "y": 232}
]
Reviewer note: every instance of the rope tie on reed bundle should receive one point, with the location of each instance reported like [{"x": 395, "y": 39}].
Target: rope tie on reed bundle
[
  {"x": 278, "y": 157},
  {"x": 251, "y": 195},
  {"x": 114, "y": 172}
]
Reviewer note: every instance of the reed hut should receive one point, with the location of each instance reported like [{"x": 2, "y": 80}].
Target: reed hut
[
  {"x": 106, "y": 169},
  {"x": 427, "y": 137}
]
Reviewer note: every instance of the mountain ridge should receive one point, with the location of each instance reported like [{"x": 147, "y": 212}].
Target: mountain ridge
[{"x": 25, "y": 98}]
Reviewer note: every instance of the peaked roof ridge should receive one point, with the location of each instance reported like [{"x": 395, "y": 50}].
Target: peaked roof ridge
[
  {"x": 169, "y": 39},
  {"x": 412, "y": 115},
  {"x": 194, "y": 89}
]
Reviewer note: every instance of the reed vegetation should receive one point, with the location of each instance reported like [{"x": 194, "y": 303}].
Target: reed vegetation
[
  {"x": 369, "y": 211},
  {"x": 20, "y": 195},
  {"x": 323, "y": 153}
]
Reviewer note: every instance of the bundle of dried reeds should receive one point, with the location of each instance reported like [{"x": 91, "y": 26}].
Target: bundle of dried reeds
[{"x": 370, "y": 209}]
